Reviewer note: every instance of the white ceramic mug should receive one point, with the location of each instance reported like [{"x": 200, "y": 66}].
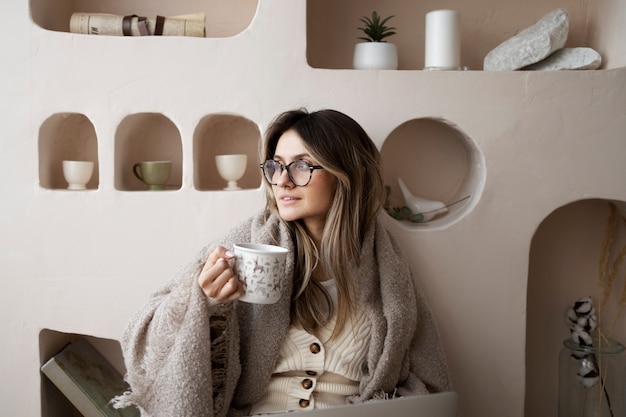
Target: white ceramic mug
[
  {"x": 77, "y": 174},
  {"x": 260, "y": 269}
]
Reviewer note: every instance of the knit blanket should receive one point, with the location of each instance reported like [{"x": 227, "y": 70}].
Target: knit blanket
[{"x": 187, "y": 355}]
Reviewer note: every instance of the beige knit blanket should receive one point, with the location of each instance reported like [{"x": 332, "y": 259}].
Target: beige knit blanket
[{"x": 189, "y": 356}]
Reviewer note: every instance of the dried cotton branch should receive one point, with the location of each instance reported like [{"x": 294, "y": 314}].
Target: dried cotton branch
[
  {"x": 620, "y": 307},
  {"x": 606, "y": 244},
  {"x": 610, "y": 281},
  {"x": 605, "y": 252}
]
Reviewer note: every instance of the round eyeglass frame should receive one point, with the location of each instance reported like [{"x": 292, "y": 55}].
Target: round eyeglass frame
[{"x": 286, "y": 168}]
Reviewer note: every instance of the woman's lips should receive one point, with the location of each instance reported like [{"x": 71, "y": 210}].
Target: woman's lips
[{"x": 288, "y": 199}]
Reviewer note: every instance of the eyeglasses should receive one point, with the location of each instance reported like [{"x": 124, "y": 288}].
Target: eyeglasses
[{"x": 299, "y": 172}]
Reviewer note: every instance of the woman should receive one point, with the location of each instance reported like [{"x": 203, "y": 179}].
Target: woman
[{"x": 349, "y": 326}]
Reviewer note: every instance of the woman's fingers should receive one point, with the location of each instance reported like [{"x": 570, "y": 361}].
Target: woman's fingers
[
  {"x": 233, "y": 289},
  {"x": 217, "y": 279},
  {"x": 217, "y": 253},
  {"x": 213, "y": 277}
]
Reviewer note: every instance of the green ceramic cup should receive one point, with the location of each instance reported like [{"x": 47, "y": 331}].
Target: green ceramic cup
[{"x": 154, "y": 174}]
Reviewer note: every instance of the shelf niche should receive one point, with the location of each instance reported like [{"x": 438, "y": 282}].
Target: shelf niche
[
  {"x": 146, "y": 137},
  {"x": 436, "y": 161},
  {"x": 66, "y": 136},
  {"x": 332, "y": 28},
  {"x": 564, "y": 256},
  {"x": 223, "y": 18},
  {"x": 51, "y": 342},
  {"x": 222, "y": 134}
]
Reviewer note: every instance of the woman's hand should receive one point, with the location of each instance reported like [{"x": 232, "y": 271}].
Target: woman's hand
[{"x": 217, "y": 279}]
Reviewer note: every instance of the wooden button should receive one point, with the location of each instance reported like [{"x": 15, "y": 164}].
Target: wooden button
[
  {"x": 315, "y": 348},
  {"x": 304, "y": 403},
  {"x": 307, "y": 383}
]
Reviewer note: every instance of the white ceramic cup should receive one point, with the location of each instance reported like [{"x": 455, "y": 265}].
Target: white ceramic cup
[
  {"x": 260, "y": 269},
  {"x": 231, "y": 168},
  {"x": 77, "y": 174}
]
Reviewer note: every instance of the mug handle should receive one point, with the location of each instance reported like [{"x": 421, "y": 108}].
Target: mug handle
[{"x": 137, "y": 172}]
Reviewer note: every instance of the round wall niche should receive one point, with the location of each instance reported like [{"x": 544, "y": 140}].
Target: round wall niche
[
  {"x": 145, "y": 137},
  {"x": 225, "y": 134},
  {"x": 66, "y": 136},
  {"x": 436, "y": 162}
]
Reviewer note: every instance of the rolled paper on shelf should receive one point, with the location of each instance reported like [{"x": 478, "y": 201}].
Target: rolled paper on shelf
[
  {"x": 142, "y": 25},
  {"x": 443, "y": 40},
  {"x": 132, "y": 25}
]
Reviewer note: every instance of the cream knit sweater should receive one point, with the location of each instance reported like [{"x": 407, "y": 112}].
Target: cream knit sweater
[
  {"x": 187, "y": 355},
  {"x": 314, "y": 371}
]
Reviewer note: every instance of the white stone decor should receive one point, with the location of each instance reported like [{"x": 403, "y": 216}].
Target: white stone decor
[
  {"x": 569, "y": 59},
  {"x": 531, "y": 45}
]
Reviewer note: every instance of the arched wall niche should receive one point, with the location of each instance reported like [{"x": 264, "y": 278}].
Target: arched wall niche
[
  {"x": 66, "y": 136},
  {"x": 146, "y": 137},
  {"x": 223, "y": 134},
  {"x": 437, "y": 162},
  {"x": 223, "y": 18},
  {"x": 563, "y": 266},
  {"x": 51, "y": 342}
]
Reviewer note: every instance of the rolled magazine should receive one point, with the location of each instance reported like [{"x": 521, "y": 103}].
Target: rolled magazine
[{"x": 133, "y": 25}]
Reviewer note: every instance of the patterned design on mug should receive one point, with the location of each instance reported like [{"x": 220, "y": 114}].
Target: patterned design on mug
[{"x": 260, "y": 276}]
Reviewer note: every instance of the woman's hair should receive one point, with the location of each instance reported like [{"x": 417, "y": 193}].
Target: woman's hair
[{"x": 344, "y": 149}]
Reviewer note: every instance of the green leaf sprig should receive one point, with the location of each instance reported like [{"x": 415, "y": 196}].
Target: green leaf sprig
[
  {"x": 400, "y": 213},
  {"x": 405, "y": 213}
]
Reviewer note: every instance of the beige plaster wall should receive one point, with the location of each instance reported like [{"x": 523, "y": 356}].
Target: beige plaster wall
[{"x": 83, "y": 262}]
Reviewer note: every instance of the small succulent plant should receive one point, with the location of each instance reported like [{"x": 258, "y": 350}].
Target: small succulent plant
[{"x": 374, "y": 28}]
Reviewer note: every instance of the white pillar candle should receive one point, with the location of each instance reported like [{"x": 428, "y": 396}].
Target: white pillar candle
[{"x": 443, "y": 40}]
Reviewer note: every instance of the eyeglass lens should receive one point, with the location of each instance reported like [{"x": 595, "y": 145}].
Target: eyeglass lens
[{"x": 299, "y": 172}]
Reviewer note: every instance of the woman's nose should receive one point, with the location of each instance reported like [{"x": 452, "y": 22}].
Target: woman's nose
[{"x": 283, "y": 179}]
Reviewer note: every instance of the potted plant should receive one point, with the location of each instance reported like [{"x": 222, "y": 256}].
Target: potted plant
[{"x": 375, "y": 52}]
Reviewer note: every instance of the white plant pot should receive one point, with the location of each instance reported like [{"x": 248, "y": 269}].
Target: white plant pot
[{"x": 375, "y": 55}]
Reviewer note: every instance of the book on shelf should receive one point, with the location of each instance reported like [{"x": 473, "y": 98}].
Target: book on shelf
[{"x": 88, "y": 380}]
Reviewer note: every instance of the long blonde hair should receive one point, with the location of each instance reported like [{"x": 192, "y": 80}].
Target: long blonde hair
[{"x": 340, "y": 145}]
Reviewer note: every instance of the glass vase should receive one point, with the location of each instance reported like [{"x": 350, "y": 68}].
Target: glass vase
[{"x": 592, "y": 380}]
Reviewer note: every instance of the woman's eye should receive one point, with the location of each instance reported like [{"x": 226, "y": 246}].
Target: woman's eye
[{"x": 301, "y": 166}]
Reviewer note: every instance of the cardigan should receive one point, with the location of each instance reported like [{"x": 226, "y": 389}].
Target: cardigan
[
  {"x": 189, "y": 355},
  {"x": 316, "y": 372}
]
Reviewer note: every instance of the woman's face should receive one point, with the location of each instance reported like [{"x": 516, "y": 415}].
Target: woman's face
[{"x": 311, "y": 202}]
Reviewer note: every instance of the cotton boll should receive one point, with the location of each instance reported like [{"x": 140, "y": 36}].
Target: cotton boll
[
  {"x": 588, "y": 373},
  {"x": 578, "y": 355},
  {"x": 592, "y": 324},
  {"x": 571, "y": 317},
  {"x": 582, "y": 338},
  {"x": 577, "y": 328},
  {"x": 588, "y": 382},
  {"x": 583, "y": 306}
]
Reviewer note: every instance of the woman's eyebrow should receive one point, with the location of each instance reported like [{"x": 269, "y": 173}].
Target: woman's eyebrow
[{"x": 299, "y": 156}]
